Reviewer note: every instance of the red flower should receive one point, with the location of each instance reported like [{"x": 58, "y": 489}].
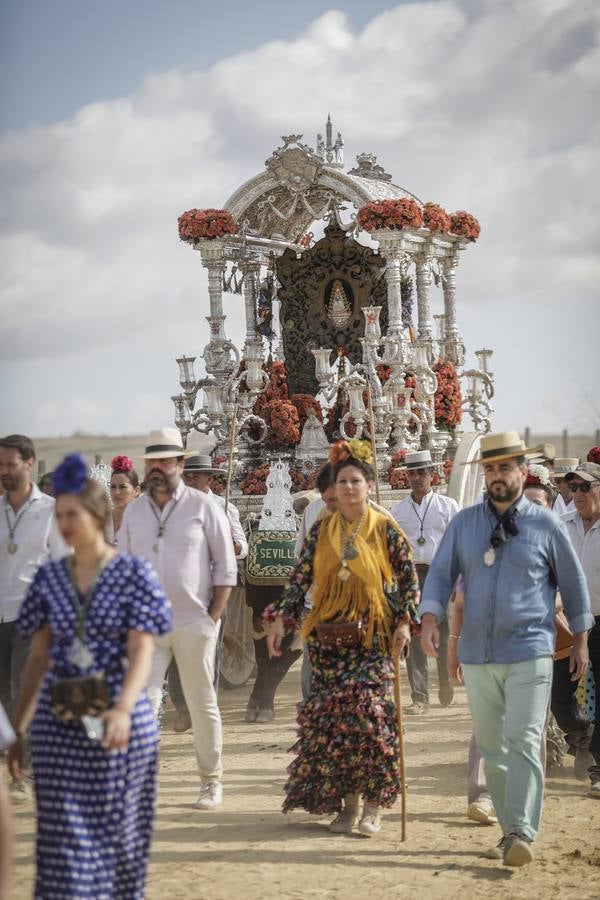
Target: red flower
[
  {"x": 448, "y": 397},
  {"x": 401, "y": 213},
  {"x": 594, "y": 455},
  {"x": 465, "y": 225},
  {"x": 121, "y": 464},
  {"x": 436, "y": 218},
  {"x": 206, "y": 224}
]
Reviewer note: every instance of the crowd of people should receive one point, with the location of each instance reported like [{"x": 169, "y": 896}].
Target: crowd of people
[{"x": 103, "y": 600}]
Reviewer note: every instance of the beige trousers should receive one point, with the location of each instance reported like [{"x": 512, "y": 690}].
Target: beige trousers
[{"x": 193, "y": 647}]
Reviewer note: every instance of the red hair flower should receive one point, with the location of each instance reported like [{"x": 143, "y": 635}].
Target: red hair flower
[{"x": 121, "y": 464}]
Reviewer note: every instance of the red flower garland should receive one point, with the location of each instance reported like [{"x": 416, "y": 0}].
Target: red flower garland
[
  {"x": 205, "y": 223},
  {"x": 448, "y": 398},
  {"x": 401, "y": 213},
  {"x": 436, "y": 218},
  {"x": 281, "y": 417},
  {"x": 465, "y": 225}
]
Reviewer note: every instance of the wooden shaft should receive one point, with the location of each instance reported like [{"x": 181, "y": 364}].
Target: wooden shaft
[
  {"x": 230, "y": 460},
  {"x": 398, "y": 698},
  {"x": 373, "y": 447}
]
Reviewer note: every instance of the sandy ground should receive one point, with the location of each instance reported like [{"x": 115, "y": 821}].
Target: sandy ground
[{"x": 249, "y": 850}]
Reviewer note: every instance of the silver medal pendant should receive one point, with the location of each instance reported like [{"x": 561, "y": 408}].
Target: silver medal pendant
[
  {"x": 12, "y": 548},
  {"x": 421, "y": 541},
  {"x": 489, "y": 557},
  {"x": 350, "y": 552},
  {"x": 79, "y": 655}
]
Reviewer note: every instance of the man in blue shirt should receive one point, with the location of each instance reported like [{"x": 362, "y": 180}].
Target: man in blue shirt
[{"x": 512, "y": 555}]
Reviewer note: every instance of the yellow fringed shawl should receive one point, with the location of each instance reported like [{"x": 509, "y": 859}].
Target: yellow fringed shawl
[{"x": 348, "y": 601}]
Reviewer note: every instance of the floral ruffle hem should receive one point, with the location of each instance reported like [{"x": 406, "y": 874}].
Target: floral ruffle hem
[{"x": 348, "y": 735}]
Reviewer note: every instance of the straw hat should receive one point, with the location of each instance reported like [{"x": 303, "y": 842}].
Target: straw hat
[
  {"x": 500, "y": 446},
  {"x": 564, "y": 465},
  {"x": 165, "y": 443},
  {"x": 418, "y": 459}
]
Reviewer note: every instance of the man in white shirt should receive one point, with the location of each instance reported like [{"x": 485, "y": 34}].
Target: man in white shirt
[
  {"x": 198, "y": 473},
  {"x": 424, "y": 516},
  {"x": 583, "y": 527},
  {"x": 187, "y": 538},
  {"x": 28, "y": 537}
]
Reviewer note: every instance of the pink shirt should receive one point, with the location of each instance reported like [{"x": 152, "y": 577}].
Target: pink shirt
[{"x": 194, "y": 553}]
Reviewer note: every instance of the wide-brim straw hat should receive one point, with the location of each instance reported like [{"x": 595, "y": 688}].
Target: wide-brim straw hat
[
  {"x": 201, "y": 462},
  {"x": 165, "y": 443},
  {"x": 500, "y": 446},
  {"x": 564, "y": 465},
  {"x": 417, "y": 459}
]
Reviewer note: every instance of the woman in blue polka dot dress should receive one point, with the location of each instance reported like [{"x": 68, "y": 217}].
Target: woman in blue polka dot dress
[{"x": 93, "y": 612}]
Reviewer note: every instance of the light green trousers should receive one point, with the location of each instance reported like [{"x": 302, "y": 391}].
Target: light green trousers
[{"x": 508, "y": 705}]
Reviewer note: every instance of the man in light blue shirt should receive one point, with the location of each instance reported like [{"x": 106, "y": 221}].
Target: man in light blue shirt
[{"x": 512, "y": 555}]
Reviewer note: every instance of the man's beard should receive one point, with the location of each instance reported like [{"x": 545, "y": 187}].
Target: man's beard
[
  {"x": 504, "y": 493},
  {"x": 164, "y": 484},
  {"x": 13, "y": 482}
]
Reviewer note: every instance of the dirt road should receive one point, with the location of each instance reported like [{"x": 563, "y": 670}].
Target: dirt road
[{"x": 248, "y": 850}]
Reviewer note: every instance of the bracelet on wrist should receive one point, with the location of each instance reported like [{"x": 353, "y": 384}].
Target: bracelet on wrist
[{"x": 455, "y": 636}]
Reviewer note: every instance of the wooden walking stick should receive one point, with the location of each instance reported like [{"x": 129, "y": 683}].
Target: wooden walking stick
[
  {"x": 230, "y": 460},
  {"x": 372, "y": 430},
  {"x": 398, "y": 698}
]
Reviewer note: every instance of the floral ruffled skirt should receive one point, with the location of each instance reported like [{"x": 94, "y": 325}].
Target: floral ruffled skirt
[{"x": 348, "y": 735}]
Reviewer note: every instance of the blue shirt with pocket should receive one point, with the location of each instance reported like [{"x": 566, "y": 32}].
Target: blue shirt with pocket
[{"x": 509, "y": 606}]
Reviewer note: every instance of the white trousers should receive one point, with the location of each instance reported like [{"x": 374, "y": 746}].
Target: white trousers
[{"x": 193, "y": 647}]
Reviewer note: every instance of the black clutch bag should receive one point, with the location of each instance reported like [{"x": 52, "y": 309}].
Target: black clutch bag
[{"x": 73, "y": 698}]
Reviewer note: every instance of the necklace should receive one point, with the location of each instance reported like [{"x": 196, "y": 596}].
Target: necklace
[
  {"x": 162, "y": 523},
  {"x": 421, "y": 538},
  {"x": 12, "y": 545},
  {"x": 349, "y": 551},
  {"x": 79, "y": 653}
]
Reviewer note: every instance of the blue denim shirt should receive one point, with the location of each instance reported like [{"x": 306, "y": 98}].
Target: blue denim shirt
[{"x": 509, "y": 606}]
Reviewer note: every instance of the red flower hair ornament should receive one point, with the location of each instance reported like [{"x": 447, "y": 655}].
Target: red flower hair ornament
[{"x": 121, "y": 464}]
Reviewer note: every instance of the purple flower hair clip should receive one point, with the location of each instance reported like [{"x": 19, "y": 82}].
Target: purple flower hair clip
[{"x": 71, "y": 475}]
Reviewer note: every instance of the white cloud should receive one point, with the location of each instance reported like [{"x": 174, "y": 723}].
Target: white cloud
[{"x": 478, "y": 104}]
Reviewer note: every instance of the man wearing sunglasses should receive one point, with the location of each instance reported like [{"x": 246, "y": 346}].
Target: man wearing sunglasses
[
  {"x": 583, "y": 526},
  {"x": 512, "y": 555}
]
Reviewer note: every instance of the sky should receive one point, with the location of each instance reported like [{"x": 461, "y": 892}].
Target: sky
[{"x": 114, "y": 118}]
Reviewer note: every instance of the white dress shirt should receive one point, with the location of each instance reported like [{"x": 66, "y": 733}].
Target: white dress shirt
[
  {"x": 587, "y": 548},
  {"x": 233, "y": 514},
  {"x": 194, "y": 553},
  {"x": 436, "y": 511},
  {"x": 561, "y": 508},
  {"x": 37, "y": 539},
  {"x": 310, "y": 515}
]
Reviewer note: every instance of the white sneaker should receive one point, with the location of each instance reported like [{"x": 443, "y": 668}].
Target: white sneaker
[
  {"x": 482, "y": 811},
  {"x": 211, "y": 794},
  {"x": 371, "y": 820},
  {"x": 344, "y": 822},
  {"x": 594, "y": 790}
]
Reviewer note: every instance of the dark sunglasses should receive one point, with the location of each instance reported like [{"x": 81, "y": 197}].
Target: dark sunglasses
[{"x": 583, "y": 486}]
